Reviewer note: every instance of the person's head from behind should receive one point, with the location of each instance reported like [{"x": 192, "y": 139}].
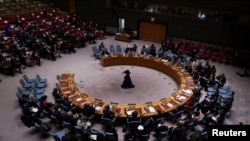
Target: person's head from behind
[
  {"x": 87, "y": 105},
  {"x": 43, "y": 97},
  {"x": 107, "y": 107},
  {"x": 222, "y": 75},
  {"x": 83, "y": 118},
  {"x": 134, "y": 114},
  {"x": 55, "y": 90},
  {"x": 159, "y": 111}
]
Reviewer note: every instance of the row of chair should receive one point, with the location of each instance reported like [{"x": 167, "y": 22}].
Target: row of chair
[
  {"x": 32, "y": 85},
  {"x": 112, "y": 50},
  {"x": 115, "y": 49},
  {"x": 224, "y": 92}
]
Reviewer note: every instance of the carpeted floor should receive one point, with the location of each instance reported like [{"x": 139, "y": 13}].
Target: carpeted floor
[{"x": 104, "y": 83}]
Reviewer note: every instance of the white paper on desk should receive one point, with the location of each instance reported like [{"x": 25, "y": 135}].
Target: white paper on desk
[
  {"x": 98, "y": 108},
  {"x": 163, "y": 60},
  {"x": 151, "y": 109},
  {"x": 78, "y": 99},
  {"x": 182, "y": 98},
  {"x": 34, "y": 109},
  {"x": 188, "y": 91},
  {"x": 170, "y": 105},
  {"x": 93, "y": 137},
  {"x": 214, "y": 118},
  {"x": 140, "y": 127},
  {"x": 130, "y": 112}
]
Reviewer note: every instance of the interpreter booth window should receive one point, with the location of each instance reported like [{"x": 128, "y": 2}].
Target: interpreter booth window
[{"x": 121, "y": 25}]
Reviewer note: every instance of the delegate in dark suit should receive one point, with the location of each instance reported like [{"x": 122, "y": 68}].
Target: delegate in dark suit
[
  {"x": 160, "y": 128},
  {"x": 88, "y": 110},
  {"x": 107, "y": 113}
]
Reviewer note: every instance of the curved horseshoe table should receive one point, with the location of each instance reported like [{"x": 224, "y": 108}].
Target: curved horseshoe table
[{"x": 166, "y": 104}]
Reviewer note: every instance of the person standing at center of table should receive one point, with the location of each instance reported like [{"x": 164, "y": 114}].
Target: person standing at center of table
[{"x": 127, "y": 82}]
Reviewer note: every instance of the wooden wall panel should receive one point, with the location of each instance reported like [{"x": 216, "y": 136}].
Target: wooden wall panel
[
  {"x": 72, "y": 6},
  {"x": 151, "y": 31}
]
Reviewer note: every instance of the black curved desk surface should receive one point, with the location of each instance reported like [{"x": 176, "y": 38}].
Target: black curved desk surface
[{"x": 166, "y": 104}]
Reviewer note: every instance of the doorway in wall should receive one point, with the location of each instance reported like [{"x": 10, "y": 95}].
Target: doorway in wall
[{"x": 121, "y": 25}]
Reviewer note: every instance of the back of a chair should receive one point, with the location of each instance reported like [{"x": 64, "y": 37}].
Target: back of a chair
[
  {"x": 228, "y": 88},
  {"x": 108, "y": 120},
  {"x": 144, "y": 137},
  {"x": 95, "y": 135},
  {"x": 19, "y": 90},
  {"x": 133, "y": 124},
  {"x": 118, "y": 49},
  {"x": 54, "y": 136},
  {"x": 45, "y": 127},
  {"x": 162, "y": 135},
  {"x": 112, "y": 49},
  {"x": 175, "y": 116},
  {"x": 68, "y": 125},
  {"x": 18, "y": 95},
  {"x": 22, "y": 82},
  {"x": 110, "y": 136},
  {"x": 78, "y": 129},
  {"x": 159, "y": 119},
  {"x": 38, "y": 77},
  {"x": 25, "y": 77},
  {"x": 36, "y": 82},
  {"x": 54, "y": 119},
  {"x": 94, "y": 49}
]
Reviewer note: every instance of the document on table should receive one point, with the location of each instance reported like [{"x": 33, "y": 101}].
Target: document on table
[
  {"x": 129, "y": 112},
  {"x": 151, "y": 109},
  {"x": 78, "y": 99},
  {"x": 98, "y": 107},
  {"x": 170, "y": 105},
  {"x": 188, "y": 91}
]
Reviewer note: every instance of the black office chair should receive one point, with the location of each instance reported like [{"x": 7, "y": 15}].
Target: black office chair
[
  {"x": 174, "y": 116},
  {"x": 55, "y": 120},
  {"x": 133, "y": 124},
  {"x": 190, "y": 109},
  {"x": 143, "y": 137},
  {"x": 95, "y": 135},
  {"x": 43, "y": 128},
  {"x": 91, "y": 117},
  {"x": 108, "y": 120},
  {"x": 156, "y": 120},
  {"x": 78, "y": 129},
  {"x": 162, "y": 135},
  {"x": 68, "y": 126},
  {"x": 110, "y": 136}
]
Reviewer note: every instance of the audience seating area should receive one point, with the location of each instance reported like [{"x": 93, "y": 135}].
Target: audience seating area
[
  {"x": 28, "y": 37},
  {"x": 17, "y": 6}
]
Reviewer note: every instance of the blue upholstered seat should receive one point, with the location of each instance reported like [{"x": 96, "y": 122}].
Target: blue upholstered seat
[{"x": 41, "y": 80}]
